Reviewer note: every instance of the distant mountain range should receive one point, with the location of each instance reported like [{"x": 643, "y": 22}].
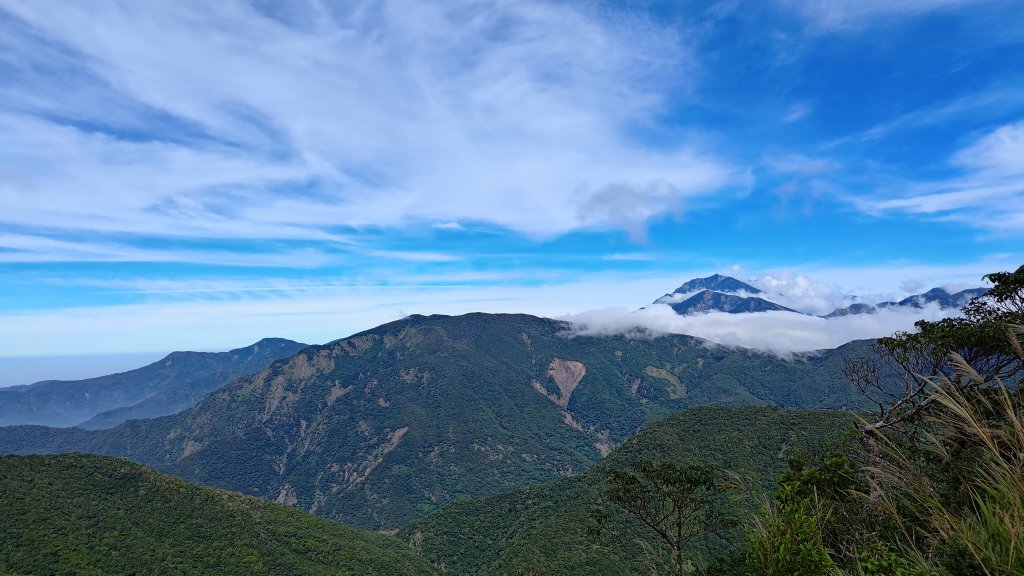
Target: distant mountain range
[
  {"x": 718, "y": 293},
  {"x": 164, "y": 387},
  {"x": 938, "y": 296},
  {"x": 392, "y": 423},
  {"x": 384, "y": 429},
  {"x": 389, "y": 424}
]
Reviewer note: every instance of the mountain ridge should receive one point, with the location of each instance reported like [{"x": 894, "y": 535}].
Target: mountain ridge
[
  {"x": 720, "y": 293},
  {"x": 391, "y": 423},
  {"x": 940, "y": 296},
  {"x": 73, "y": 402}
]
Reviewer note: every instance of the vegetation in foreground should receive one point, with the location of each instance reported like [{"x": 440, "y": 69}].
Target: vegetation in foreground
[
  {"x": 83, "y": 514},
  {"x": 550, "y": 527},
  {"x": 941, "y": 489}
]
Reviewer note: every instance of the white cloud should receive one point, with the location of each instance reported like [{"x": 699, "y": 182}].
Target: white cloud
[
  {"x": 801, "y": 293},
  {"x": 30, "y": 248},
  {"x": 291, "y": 124},
  {"x": 413, "y": 256},
  {"x": 911, "y": 285},
  {"x": 781, "y": 333},
  {"x": 990, "y": 193},
  {"x": 1000, "y": 152},
  {"x": 797, "y": 112},
  {"x": 885, "y": 281},
  {"x": 838, "y": 15},
  {"x": 218, "y": 315},
  {"x": 988, "y": 101}
]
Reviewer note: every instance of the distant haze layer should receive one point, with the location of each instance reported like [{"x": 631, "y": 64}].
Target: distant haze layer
[{"x": 31, "y": 369}]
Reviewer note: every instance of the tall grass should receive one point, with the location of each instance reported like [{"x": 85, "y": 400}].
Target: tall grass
[{"x": 985, "y": 519}]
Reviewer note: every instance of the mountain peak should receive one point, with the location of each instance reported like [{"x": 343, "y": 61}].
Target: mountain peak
[
  {"x": 717, "y": 293},
  {"x": 944, "y": 298},
  {"x": 717, "y": 283}
]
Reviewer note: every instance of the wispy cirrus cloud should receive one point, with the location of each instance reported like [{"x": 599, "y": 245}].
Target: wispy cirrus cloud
[
  {"x": 989, "y": 194},
  {"x": 307, "y": 119},
  {"x": 34, "y": 248},
  {"x": 984, "y": 105},
  {"x": 838, "y": 15}
]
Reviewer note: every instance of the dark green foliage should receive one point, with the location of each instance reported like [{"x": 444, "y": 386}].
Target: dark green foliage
[
  {"x": 81, "y": 514},
  {"x": 979, "y": 337},
  {"x": 393, "y": 423},
  {"x": 899, "y": 378},
  {"x": 546, "y": 527},
  {"x": 787, "y": 540},
  {"x": 680, "y": 504},
  {"x": 820, "y": 520}
]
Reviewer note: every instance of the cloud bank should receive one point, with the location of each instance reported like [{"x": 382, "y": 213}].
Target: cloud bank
[{"x": 782, "y": 333}]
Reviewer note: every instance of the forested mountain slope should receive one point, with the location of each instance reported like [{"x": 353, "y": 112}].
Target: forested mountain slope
[
  {"x": 545, "y": 527},
  {"x": 389, "y": 424},
  {"x": 82, "y": 514}
]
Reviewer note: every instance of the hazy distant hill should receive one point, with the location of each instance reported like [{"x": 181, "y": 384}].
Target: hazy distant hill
[
  {"x": 940, "y": 296},
  {"x": 164, "y": 387},
  {"x": 545, "y": 527},
  {"x": 392, "y": 423},
  {"x": 81, "y": 514}
]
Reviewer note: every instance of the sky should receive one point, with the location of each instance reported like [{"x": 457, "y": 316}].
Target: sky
[{"x": 196, "y": 176}]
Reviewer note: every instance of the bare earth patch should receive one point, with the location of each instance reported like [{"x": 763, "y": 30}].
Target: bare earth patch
[
  {"x": 287, "y": 496},
  {"x": 567, "y": 375}
]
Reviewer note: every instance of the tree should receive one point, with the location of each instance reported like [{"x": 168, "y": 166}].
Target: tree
[
  {"x": 788, "y": 538},
  {"x": 680, "y": 504},
  {"x": 981, "y": 532},
  {"x": 897, "y": 382}
]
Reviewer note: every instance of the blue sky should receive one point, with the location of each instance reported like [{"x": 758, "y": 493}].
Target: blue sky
[{"x": 194, "y": 175}]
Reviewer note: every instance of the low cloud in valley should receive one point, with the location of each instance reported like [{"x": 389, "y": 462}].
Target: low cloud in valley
[{"x": 781, "y": 333}]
